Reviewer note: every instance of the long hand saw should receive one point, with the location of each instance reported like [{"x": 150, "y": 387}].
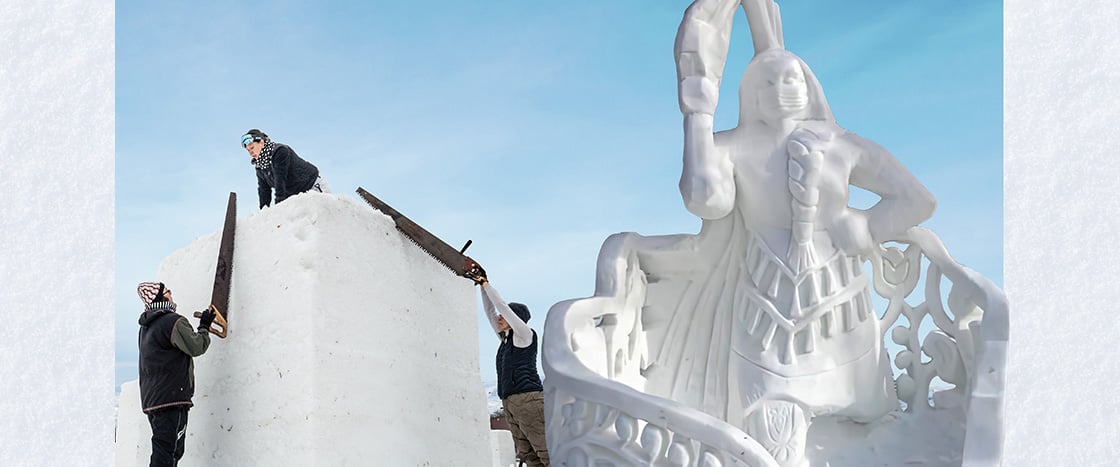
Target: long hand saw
[
  {"x": 455, "y": 260},
  {"x": 219, "y": 297}
]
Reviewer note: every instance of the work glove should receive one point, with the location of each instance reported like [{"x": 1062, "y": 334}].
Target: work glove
[{"x": 206, "y": 320}]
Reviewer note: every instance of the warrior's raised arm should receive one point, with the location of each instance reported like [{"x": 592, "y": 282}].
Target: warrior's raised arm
[{"x": 707, "y": 183}]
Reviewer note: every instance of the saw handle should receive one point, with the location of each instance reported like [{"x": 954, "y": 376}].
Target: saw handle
[
  {"x": 218, "y": 327},
  {"x": 474, "y": 271}
]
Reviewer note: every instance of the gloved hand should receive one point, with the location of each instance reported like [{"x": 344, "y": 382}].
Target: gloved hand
[
  {"x": 206, "y": 320},
  {"x": 479, "y": 274}
]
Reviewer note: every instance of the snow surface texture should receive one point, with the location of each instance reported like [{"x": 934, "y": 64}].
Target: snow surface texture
[
  {"x": 56, "y": 233},
  {"x": 348, "y": 345},
  {"x": 1061, "y": 199},
  {"x": 502, "y": 449}
]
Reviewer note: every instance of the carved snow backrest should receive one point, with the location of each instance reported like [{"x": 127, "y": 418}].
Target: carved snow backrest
[
  {"x": 598, "y": 407},
  {"x": 968, "y": 348}
]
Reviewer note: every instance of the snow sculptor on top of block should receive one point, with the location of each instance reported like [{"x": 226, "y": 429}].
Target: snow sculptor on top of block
[
  {"x": 348, "y": 344},
  {"x": 755, "y": 341}
]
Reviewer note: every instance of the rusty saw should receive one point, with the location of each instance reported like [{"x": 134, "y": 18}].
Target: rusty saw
[
  {"x": 462, "y": 265},
  {"x": 219, "y": 297}
]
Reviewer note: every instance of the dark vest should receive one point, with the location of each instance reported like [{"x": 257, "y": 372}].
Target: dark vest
[
  {"x": 517, "y": 368},
  {"x": 164, "y": 369}
]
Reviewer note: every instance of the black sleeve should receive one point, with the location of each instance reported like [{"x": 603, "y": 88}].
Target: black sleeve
[
  {"x": 281, "y": 162},
  {"x": 264, "y": 190}
]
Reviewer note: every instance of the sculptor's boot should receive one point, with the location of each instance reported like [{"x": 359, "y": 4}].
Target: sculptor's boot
[{"x": 782, "y": 428}]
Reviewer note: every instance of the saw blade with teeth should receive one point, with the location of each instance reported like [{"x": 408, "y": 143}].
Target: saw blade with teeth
[{"x": 439, "y": 250}]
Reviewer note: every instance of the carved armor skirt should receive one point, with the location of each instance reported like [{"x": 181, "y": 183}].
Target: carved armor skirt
[{"x": 808, "y": 336}]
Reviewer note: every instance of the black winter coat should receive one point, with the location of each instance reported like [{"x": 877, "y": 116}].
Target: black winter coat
[
  {"x": 165, "y": 378},
  {"x": 288, "y": 175}
]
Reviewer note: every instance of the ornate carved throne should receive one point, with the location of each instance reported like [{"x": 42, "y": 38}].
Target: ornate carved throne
[{"x": 599, "y": 411}]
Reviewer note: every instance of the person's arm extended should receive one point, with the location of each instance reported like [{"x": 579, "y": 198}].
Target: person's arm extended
[
  {"x": 264, "y": 190},
  {"x": 491, "y": 314},
  {"x": 184, "y": 338},
  {"x": 281, "y": 162},
  {"x": 522, "y": 334}
]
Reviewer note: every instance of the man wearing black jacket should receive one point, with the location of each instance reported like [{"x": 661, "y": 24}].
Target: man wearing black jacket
[
  {"x": 168, "y": 344},
  {"x": 279, "y": 168}
]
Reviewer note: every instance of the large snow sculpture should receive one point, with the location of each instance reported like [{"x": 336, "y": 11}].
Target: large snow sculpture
[{"x": 723, "y": 347}]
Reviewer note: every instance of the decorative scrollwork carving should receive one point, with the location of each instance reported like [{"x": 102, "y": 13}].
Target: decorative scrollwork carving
[
  {"x": 950, "y": 346},
  {"x": 615, "y": 440}
]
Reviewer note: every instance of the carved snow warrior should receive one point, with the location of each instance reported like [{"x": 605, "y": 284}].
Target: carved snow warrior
[
  {"x": 778, "y": 297},
  {"x": 764, "y": 320}
]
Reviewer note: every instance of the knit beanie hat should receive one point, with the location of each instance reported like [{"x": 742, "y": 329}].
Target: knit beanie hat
[
  {"x": 148, "y": 291},
  {"x": 520, "y": 310}
]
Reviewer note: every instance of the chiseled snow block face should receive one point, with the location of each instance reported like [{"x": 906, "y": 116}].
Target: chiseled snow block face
[
  {"x": 504, "y": 452},
  {"x": 348, "y": 345},
  {"x": 133, "y": 434}
]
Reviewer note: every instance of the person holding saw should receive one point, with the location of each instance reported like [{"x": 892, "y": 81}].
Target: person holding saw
[
  {"x": 519, "y": 385},
  {"x": 168, "y": 344}
]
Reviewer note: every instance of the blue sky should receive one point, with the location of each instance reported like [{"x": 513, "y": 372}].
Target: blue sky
[{"x": 559, "y": 118}]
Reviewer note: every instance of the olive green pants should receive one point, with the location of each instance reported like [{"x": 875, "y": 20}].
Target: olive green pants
[{"x": 525, "y": 414}]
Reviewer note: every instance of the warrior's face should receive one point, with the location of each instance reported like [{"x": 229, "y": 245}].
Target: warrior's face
[{"x": 782, "y": 94}]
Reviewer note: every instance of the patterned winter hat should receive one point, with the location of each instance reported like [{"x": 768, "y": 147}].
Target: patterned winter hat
[{"x": 148, "y": 291}]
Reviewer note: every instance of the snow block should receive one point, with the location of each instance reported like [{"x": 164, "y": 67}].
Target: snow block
[
  {"x": 502, "y": 448},
  {"x": 348, "y": 345}
]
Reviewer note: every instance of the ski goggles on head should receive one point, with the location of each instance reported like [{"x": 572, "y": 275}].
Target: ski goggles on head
[{"x": 247, "y": 139}]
